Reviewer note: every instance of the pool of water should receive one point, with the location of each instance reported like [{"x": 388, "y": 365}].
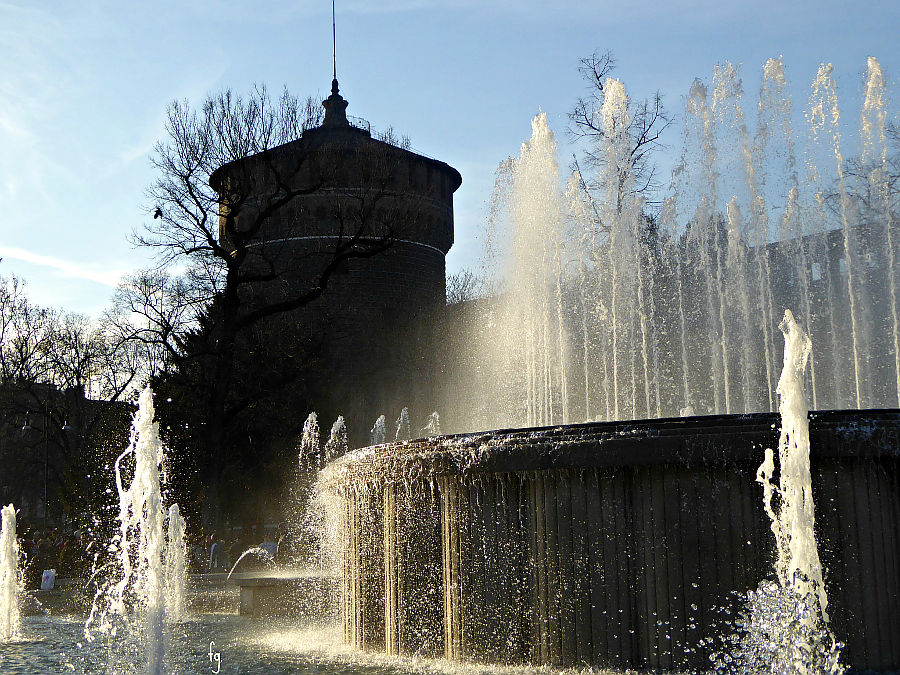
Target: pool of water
[{"x": 211, "y": 643}]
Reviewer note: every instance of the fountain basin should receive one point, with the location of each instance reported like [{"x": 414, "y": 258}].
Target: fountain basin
[
  {"x": 307, "y": 598},
  {"x": 613, "y": 544}
]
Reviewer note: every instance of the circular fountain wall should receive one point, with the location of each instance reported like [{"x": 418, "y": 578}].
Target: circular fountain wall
[{"x": 614, "y": 544}]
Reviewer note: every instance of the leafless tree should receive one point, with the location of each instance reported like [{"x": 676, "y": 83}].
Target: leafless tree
[
  {"x": 463, "y": 286},
  {"x": 25, "y": 331},
  {"x": 872, "y": 188},
  {"x": 229, "y": 173},
  {"x": 648, "y": 121},
  {"x": 62, "y": 377},
  {"x": 209, "y": 223}
]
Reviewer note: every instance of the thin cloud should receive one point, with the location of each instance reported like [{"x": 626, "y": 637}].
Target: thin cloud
[{"x": 109, "y": 278}]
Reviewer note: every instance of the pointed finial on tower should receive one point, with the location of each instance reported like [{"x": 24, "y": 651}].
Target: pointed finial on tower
[
  {"x": 335, "y": 108},
  {"x": 335, "y": 105},
  {"x": 333, "y": 51}
]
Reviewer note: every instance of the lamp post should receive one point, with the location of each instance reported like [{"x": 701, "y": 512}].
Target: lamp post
[{"x": 45, "y": 430}]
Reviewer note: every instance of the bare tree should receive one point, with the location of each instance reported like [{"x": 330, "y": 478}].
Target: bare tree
[
  {"x": 649, "y": 119},
  {"x": 62, "y": 378},
  {"x": 872, "y": 188},
  {"x": 230, "y": 174},
  {"x": 463, "y": 286},
  {"x": 25, "y": 331}
]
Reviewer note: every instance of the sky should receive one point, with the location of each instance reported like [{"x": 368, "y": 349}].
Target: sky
[{"x": 84, "y": 87}]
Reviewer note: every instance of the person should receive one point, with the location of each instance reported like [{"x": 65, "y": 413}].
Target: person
[{"x": 215, "y": 554}]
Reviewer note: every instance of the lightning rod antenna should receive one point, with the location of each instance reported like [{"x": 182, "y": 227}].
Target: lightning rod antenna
[{"x": 333, "y": 42}]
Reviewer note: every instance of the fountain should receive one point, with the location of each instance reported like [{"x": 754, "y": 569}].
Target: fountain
[
  {"x": 10, "y": 578},
  {"x": 336, "y": 445},
  {"x": 378, "y": 434},
  {"x": 176, "y": 565},
  {"x": 637, "y": 538},
  {"x": 784, "y": 626},
  {"x": 616, "y": 544},
  {"x": 604, "y": 313},
  {"x": 142, "y": 586}
]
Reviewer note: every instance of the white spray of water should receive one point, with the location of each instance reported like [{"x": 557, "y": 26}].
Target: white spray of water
[
  {"x": 256, "y": 552},
  {"x": 309, "y": 443},
  {"x": 705, "y": 237},
  {"x": 402, "y": 423},
  {"x": 784, "y": 628},
  {"x": 825, "y": 120},
  {"x": 10, "y": 580},
  {"x": 872, "y": 127},
  {"x": 378, "y": 435},
  {"x": 532, "y": 343},
  {"x": 176, "y": 565},
  {"x": 336, "y": 445},
  {"x": 132, "y": 596},
  {"x": 798, "y": 563},
  {"x": 680, "y": 311},
  {"x": 433, "y": 426}
]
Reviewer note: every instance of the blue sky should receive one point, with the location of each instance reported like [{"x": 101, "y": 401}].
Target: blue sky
[{"x": 84, "y": 87}]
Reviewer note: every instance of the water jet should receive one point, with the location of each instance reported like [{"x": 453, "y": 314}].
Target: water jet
[{"x": 617, "y": 544}]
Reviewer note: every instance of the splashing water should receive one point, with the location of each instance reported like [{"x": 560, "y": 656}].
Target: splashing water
[
  {"x": 603, "y": 312},
  {"x": 10, "y": 580},
  {"x": 378, "y": 435},
  {"x": 784, "y": 625},
  {"x": 403, "y": 429},
  {"x": 256, "y": 552},
  {"x": 130, "y": 599},
  {"x": 337, "y": 444},
  {"x": 176, "y": 565},
  {"x": 798, "y": 558},
  {"x": 309, "y": 443},
  {"x": 433, "y": 426}
]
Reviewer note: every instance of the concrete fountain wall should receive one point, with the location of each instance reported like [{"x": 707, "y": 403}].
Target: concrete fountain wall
[{"x": 615, "y": 544}]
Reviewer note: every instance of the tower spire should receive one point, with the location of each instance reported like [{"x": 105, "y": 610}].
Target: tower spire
[
  {"x": 335, "y": 105},
  {"x": 333, "y": 44}
]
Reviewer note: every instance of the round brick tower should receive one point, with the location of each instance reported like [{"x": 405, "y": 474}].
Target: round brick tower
[{"x": 371, "y": 329}]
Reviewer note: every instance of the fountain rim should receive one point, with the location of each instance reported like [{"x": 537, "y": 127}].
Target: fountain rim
[{"x": 725, "y": 440}]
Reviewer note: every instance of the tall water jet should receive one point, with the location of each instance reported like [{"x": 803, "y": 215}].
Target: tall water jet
[
  {"x": 874, "y": 164},
  {"x": 10, "y": 579},
  {"x": 794, "y": 526},
  {"x": 706, "y": 243},
  {"x": 176, "y": 565},
  {"x": 403, "y": 432},
  {"x": 532, "y": 315},
  {"x": 131, "y": 598},
  {"x": 785, "y": 625},
  {"x": 826, "y": 122},
  {"x": 378, "y": 434},
  {"x": 433, "y": 425},
  {"x": 337, "y": 444},
  {"x": 309, "y": 444}
]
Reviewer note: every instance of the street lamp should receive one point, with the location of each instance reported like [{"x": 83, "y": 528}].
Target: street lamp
[
  {"x": 45, "y": 429},
  {"x": 46, "y": 457}
]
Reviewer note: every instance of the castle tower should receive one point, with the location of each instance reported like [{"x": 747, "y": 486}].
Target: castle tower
[{"x": 370, "y": 328}]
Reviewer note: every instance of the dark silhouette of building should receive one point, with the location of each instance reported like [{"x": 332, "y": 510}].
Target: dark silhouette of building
[{"x": 369, "y": 333}]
